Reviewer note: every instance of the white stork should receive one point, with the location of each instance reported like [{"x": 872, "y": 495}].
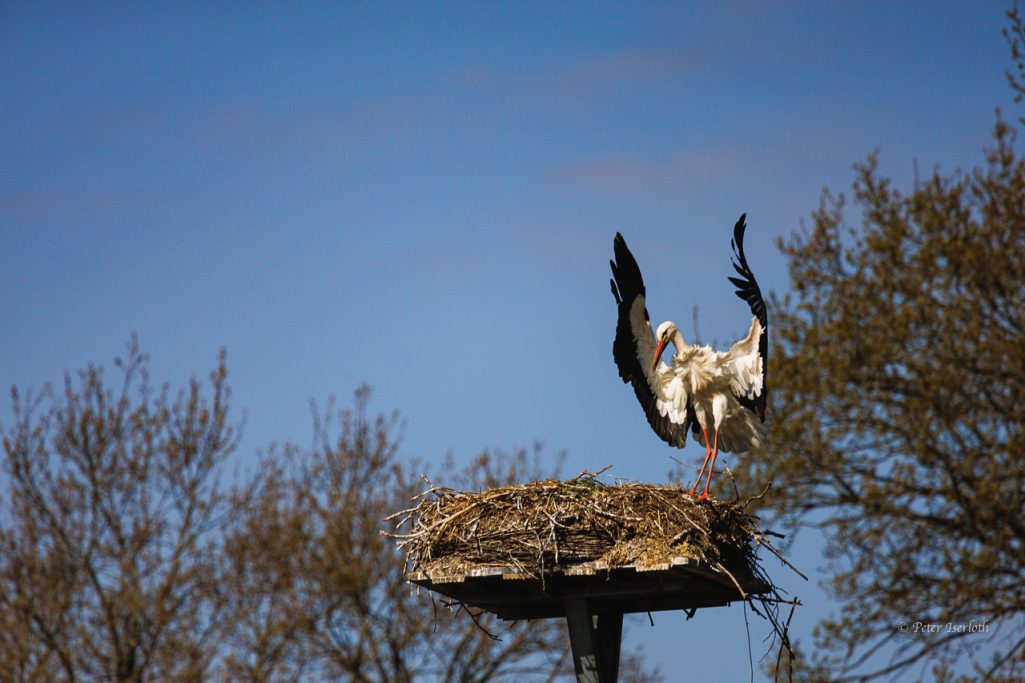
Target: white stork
[{"x": 721, "y": 391}]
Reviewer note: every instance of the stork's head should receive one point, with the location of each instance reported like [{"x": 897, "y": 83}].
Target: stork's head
[{"x": 665, "y": 334}]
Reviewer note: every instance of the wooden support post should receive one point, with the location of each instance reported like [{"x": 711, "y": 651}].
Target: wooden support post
[
  {"x": 595, "y": 650},
  {"x": 581, "y": 641},
  {"x": 610, "y": 635}
]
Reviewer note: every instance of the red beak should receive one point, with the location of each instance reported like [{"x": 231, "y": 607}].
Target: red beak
[{"x": 658, "y": 353}]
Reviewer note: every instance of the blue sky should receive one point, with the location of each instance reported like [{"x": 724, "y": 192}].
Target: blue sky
[{"x": 423, "y": 197}]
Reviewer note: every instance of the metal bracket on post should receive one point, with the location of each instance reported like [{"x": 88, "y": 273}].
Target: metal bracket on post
[{"x": 595, "y": 650}]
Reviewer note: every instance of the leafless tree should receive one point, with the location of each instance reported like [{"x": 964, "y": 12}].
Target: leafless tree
[
  {"x": 108, "y": 534},
  {"x": 122, "y": 558}
]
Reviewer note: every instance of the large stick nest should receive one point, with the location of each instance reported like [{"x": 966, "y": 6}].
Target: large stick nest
[
  {"x": 554, "y": 525},
  {"x": 550, "y": 525}
]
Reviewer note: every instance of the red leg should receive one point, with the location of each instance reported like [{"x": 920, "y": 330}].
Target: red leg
[
  {"x": 708, "y": 453},
  {"x": 715, "y": 452}
]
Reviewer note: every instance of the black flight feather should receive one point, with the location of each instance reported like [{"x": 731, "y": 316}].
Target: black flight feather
[
  {"x": 627, "y": 284},
  {"x": 748, "y": 290}
]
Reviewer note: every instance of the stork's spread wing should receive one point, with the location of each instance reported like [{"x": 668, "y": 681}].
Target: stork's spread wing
[
  {"x": 662, "y": 396},
  {"x": 749, "y": 357}
]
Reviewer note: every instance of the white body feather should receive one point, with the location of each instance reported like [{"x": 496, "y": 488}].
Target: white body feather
[{"x": 711, "y": 380}]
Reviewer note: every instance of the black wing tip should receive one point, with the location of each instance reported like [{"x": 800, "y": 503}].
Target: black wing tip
[
  {"x": 619, "y": 247},
  {"x": 747, "y": 286},
  {"x": 625, "y": 270},
  {"x": 741, "y": 224},
  {"x": 738, "y": 235}
]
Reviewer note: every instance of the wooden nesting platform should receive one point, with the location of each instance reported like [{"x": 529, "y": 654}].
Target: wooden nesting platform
[
  {"x": 522, "y": 551},
  {"x": 585, "y": 551},
  {"x": 683, "y": 583}
]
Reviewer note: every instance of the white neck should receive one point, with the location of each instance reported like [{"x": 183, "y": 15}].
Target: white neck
[{"x": 677, "y": 341}]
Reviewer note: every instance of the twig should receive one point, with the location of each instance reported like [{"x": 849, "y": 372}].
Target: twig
[
  {"x": 785, "y": 642},
  {"x": 767, "y": 546},
  {"x": 473, "y": 616},
  {"x": 758, "y": 495}
]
